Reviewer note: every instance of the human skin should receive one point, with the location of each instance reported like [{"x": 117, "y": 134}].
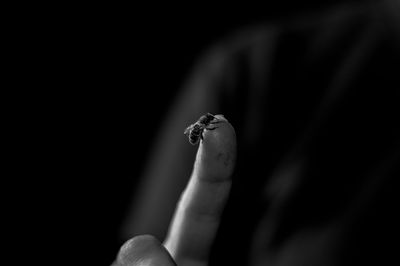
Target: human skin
[{"x": 197, "y": 215}]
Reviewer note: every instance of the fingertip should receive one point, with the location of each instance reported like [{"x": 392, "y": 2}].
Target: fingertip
[{"x": 217, "y": 151}]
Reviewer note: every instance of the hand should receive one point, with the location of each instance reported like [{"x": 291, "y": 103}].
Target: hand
[{"x": 197, "y": 216}]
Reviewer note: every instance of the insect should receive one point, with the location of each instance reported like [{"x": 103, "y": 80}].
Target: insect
[{"x": 195, "y": 131}]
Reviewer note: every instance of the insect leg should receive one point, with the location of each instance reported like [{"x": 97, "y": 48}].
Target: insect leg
[{"x": 187, "y": 130}]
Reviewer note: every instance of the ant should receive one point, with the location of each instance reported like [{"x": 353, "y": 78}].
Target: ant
[{"x": 195, "y": 131}]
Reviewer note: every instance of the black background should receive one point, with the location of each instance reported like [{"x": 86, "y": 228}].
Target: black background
[{"x": 100, "y": 81}]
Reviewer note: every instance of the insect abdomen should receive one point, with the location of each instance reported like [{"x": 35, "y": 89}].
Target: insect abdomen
[
  {"x": 194, "y": 135},
  {"x": 194, "y": 139}
]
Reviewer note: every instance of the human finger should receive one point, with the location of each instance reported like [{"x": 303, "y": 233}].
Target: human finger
[
  {"x": 143, "y": 250},
  {"x": 197, "y": 216}
]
